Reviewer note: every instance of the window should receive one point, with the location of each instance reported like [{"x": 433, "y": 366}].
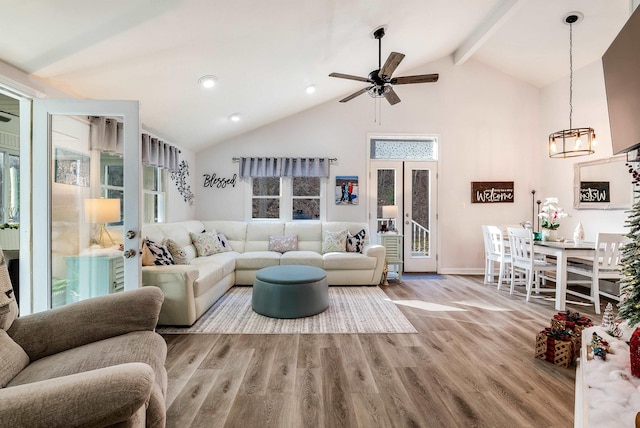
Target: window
[
  {"x": 306, "y": 198},
  {"x": 153, "y": 188},
  {"x": 265, "y": 201},
  {"x": 9, "y": 187}
]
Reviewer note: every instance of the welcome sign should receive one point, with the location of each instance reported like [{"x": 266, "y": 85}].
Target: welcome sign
[
  {"x": 491, "y": 192},
  {"x": 594, "y": 191}
]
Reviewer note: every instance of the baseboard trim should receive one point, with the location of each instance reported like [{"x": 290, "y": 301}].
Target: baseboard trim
[{"x": 461, "y": 271}]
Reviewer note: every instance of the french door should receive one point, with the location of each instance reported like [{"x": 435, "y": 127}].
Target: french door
[
  {"x": 411, "y": 186},
  {"x": 78, "y": 221}
]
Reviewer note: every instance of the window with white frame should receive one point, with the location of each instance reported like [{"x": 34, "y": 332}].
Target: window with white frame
[
  {"x": 306, "y": 201},
  {"x": 303, "y": 199},
  {"x": 265, "y": 198},
  {"x": 153, "y": 188}
]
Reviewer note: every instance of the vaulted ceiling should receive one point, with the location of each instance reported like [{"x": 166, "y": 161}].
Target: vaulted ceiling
[{"x": 265, "y": 53}]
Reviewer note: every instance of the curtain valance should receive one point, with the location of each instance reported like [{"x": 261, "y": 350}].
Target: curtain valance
[
  {"x": 157, "y": 153},
  {"x": 107, "y": 135},
  {"x": 284, "y": 167}
]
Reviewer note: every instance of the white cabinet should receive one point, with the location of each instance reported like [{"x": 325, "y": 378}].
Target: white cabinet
[
  {"x": 394, "y": 245},
  {"x": 91, "y": 276}
]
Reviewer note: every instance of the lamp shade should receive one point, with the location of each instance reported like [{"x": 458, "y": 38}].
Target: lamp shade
[
  {"x": 389, "y": 211},
  {"x": 101, "y": 210}
]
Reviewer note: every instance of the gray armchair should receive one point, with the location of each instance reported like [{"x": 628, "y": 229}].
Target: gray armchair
[{"x": 97, "y": 362}]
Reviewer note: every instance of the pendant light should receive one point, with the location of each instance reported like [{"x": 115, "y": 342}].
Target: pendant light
[{"x": 573, "y": 141}]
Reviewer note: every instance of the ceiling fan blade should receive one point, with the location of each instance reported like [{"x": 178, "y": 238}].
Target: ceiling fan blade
[
  {"x": 420, "y": 78},
  {"x": 350, "y": 77},
  {"x": 392, "y": 97},
  {"x": 355, "y": 94},
  {"x": 391, "y": 64}
]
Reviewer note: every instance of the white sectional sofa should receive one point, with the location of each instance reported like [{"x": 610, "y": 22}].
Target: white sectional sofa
[{"x": 191, "y": 289}]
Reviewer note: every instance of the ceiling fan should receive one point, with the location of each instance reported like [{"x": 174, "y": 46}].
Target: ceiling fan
[{"x": 380, "y": 80}]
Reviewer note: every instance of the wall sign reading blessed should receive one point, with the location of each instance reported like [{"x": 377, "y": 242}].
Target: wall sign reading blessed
[
  {"x": 489, "y": 192},
  {"x": 212, "y": 180},
  {"x": 594, "y": 191}
]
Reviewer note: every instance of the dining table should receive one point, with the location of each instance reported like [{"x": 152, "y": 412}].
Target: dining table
[{"x": 562, "y": 250}]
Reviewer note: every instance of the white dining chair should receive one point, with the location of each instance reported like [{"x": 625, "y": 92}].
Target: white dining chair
[
  {"x": 524, "y": 261},
  {"x": 497, "y": 252},
  {"x": 604, "y": 265}
]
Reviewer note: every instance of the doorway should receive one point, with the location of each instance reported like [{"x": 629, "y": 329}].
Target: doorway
[{"x": 403, "y": 172}]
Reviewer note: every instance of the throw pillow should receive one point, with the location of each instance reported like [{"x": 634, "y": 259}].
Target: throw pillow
[
  {"x": 224, "y": 243},
  {"x": 335, "y": 242},
  {"x": 206, "y": 243},
  {"x": 154, "y": 253},
  {"x": 179, "y": 254},
  {"x": 282, "y": 244},
  {"x": 355, "y": 243},
  {"x": 8, "y": 305}
]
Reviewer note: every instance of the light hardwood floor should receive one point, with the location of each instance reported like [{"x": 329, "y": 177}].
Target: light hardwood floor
[{"x": 470, "y": 365}]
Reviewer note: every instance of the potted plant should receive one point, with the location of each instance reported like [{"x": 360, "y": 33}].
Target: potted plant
[{"x": 550, "y": 214}]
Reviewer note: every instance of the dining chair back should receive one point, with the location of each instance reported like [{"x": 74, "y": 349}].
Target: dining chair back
[
  {"x": 604, "y": 265},
  {"x": 524, "y": 260},
  {"x": 495, "y": 252}
]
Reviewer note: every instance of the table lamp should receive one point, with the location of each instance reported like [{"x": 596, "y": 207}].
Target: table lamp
[
  {"x": 102, "y": 211},
  {"x": 390, "y": 212}
]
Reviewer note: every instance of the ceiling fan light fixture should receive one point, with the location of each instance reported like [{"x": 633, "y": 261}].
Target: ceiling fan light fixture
[
  {"x": 571, "y": 142},
  {"x": 208, "y": 81}
]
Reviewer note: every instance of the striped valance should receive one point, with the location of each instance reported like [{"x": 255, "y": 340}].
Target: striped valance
[{"x": 157, "y": 153}]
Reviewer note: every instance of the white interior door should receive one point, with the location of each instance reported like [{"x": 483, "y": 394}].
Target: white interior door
[
  {"x": 78, "y": 219},
  {"x": 411, "y": 186},
  {"x": 419, "y": 216}
]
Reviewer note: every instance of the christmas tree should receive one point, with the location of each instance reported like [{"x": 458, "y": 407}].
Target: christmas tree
[
  {"x": 630, "y": 284},
  {"x": 607, "y": 318}
]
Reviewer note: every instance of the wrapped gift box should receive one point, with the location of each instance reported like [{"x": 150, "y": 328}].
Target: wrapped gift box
[
  {"x": 569, "y": 320},
  {"x": 557, "y": 346}
]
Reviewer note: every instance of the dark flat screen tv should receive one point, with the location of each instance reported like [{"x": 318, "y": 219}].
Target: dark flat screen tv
[{"x": 621, "y": 64}]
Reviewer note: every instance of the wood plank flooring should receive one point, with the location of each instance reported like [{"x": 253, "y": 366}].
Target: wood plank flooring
[{"x": 471, "y": 364}]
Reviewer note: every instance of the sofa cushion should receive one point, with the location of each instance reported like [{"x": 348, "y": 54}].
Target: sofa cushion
[
  {"x": 155, "y": 254},
  {"x": 283, "y": 243},
  {"x": 342, "y": 261},
  {"x": 140, "y": 346},
  {"x": 257, "y": 260},
  {"x": 334, "y": 241},
  {"x": 309, "y": 258},
  {"x": 209, "y": 275},
  {"x": 206, "y": 243},
  {"x": 355, "y": 243},
  {"x": 234, "y": 231},
  {"x": 226, "y": 260},
  {"x": 182, "y": 255},
  {"x": 258, "y": 233},
  {"x": 13, "y": 359},
  {"x": 309, "y": 234}
]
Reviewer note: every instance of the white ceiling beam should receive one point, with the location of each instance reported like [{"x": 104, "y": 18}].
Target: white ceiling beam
[{"x": 494, "y": 20}]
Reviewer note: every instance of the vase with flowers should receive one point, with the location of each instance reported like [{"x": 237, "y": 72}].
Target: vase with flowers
[{"x": 550, "y": 214}]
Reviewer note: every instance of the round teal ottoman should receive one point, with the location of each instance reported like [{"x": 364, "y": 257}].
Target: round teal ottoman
[{"x": 290, "y": 291}]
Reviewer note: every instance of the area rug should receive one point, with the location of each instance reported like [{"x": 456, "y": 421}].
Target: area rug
[{"x": 351, "y": 310}]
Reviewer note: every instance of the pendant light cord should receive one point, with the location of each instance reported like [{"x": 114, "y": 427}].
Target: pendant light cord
[{"x": 570, "y": 75}]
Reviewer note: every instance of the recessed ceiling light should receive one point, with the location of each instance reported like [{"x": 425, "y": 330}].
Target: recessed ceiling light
[
  {"x": 311, "y": 88},
  {"x": 235, "y": 117},
  {"x": 207, "y": 81}
]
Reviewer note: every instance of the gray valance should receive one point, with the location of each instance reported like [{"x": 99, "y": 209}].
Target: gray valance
[
  {"x": 107, "y": 135},
  {"x": 284, "y": 167},
  {"x": 157, "y": 153}
]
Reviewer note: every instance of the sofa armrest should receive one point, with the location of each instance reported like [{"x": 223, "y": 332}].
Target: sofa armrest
[
  {"x": 99, "y": 397},
  {"x": 177, "y": 284},
  {"x": 380, "y": 253},
  {"x": 50, "y": 332}
]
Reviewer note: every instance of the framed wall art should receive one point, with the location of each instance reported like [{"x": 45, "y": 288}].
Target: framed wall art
[
  {"x": 491, "y": 192},
  {"x": 346, "y": 192}
]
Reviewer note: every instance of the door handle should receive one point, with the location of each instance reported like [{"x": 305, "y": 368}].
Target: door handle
[
  {"x": 131, "y": 234},
  {"x": 129, "y": 253}
]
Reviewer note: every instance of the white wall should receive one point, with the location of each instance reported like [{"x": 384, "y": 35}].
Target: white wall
[
  {"x": 589, "y": 110},
  {"x": 488, "y": 127},
  {"x": 177, "y": 208}
]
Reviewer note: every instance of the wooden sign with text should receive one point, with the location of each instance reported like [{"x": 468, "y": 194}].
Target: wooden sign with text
[{"x": 491, "y": 192}]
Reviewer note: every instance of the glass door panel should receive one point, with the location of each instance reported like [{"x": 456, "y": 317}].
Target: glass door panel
[
  {"x": 419, "y": 222},
  {"x": 84, "y": 200}
]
